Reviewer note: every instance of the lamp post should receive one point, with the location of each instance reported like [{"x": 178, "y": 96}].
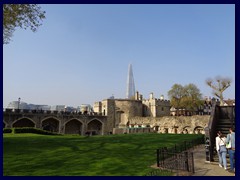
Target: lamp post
[{"x": 19, "y": 103}]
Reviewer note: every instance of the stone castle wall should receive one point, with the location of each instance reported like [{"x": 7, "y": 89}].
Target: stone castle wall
[
  {"x": 127, "y": 109},
  {"x": 173, "y": 124}
]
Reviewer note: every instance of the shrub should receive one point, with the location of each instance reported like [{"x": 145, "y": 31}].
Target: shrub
[
  {"x": 7, "y": 130},
  {"x": 33, "y": 130}
]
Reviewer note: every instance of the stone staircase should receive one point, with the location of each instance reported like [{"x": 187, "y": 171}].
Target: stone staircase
[
  {"x": 222, "y": 118},
  {"x": 223, "y": 125},
  {"x": 226, "y": 119}
]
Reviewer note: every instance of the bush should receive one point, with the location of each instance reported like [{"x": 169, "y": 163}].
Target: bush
[
  {"x": 7, "y": 130},
  {"x": 33, "y": 130}
]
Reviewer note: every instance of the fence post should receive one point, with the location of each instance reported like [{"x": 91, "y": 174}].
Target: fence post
[
  {"x": 186, "y": 160},
  {"x": 158, "y": 157},
  {"x": 177, "y": 164},
  {"x": 193, "y": 170},
  {"x": 163, "y": 158}
]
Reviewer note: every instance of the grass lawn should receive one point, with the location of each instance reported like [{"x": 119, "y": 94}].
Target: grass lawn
[{"x": 72, "y": 155}]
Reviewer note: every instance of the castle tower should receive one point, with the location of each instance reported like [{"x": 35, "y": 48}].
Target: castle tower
[{"x": 130, "y": 83}]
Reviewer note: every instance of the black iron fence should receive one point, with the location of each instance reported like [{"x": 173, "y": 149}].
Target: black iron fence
[
  {"x": 178, "y": 158},
  {"x": 160, "y": 172},
  {"x": 177, "y": 161}
]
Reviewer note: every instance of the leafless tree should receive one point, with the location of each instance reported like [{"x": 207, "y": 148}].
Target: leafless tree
[{"x": 219, "y": 85}]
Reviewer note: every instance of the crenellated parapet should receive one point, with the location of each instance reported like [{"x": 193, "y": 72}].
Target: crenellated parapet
[{"x": 154, "y": 107}]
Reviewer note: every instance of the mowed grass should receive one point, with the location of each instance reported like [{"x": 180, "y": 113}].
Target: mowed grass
[{"x": 72, "y": 155}]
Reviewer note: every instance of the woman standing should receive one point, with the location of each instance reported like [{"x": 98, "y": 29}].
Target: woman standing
[{"x": 221, "y": 149}]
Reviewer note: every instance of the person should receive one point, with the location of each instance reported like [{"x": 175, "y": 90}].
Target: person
[
  {"x": 231, "y": 151},
  {"x": 221, "y": 149}
]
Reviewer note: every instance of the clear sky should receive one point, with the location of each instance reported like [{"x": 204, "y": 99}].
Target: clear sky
[{"x": 81, "y": 53}]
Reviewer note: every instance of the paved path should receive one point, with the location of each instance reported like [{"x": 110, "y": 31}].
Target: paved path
[{"x": 203, "y": 168}]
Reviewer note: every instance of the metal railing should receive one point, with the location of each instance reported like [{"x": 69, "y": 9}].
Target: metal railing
[
  {"x": 159, "y": 172},
  {"x": 178, "y": 158},
  {"x": 183, "y": 161}
]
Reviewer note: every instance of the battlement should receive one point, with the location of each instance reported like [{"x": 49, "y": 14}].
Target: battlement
[{"x": 34, "y": 111}]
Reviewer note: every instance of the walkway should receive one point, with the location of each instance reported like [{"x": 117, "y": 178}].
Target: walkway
[{"x": 203, "y": 168}]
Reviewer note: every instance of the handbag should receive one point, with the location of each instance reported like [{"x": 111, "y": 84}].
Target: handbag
[{"x": 228, "y": 145}]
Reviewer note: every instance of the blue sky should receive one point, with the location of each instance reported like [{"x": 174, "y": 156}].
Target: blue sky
[{"x": 81, "y": 53}]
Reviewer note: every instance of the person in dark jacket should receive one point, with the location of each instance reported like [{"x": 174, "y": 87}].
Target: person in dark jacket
[{"x": 231, "y": 151}]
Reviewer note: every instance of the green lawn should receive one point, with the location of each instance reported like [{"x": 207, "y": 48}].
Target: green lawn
[{"x": 72, "y": 155}]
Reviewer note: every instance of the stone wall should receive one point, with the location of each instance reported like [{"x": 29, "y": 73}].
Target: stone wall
[
  {"x": 59, "y": 122},
  {"x": 173, "y": 124},
  {"x": 154, "y": 107},
  {"x": 118, "y": 111},
  {"x": 131, "y": 130},
  {"x": 127, "y": 109}
]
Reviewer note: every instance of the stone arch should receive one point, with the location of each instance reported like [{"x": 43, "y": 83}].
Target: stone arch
[
  {"x": 73, "y": 126},
  {"x": 166, "y": 130},
  {"x": 51, "y": 124},
  {"x": 95, "y": 127},
  {"x": 175, "y": 129},
  {"x": 186, "y": 130},
  {"x": 24, "y": 122},
  {"x": 156, "y": 128},
  {"x": 198, "y": 130}
]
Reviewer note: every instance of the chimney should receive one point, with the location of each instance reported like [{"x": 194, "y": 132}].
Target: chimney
[
  {"x": 151, "y": 96},
  {"x": 162, "y": 97},
  {"x": 136, "y": 95}
]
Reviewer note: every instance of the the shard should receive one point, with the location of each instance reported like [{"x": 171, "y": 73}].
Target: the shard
[{"x": 130, "y": 83}]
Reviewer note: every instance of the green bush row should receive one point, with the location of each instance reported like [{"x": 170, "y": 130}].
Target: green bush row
[
  {"x": 28, "y": 130},
  {"x": 7, "y": 130}
]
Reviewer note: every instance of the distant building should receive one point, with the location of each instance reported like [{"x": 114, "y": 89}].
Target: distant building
[
  {"x": 17, "y": 105},
  {"x": 85, "y": 109},
  {"x": 97, "y": 107},
  {"x": 154, "y": 107},
  {"x": 121, "y": 110},
  {"x": 229, "y": 102},
  {"x": 204, "y": 109},
  {"x": 39, "y": 107},
  {"x": 58, "y": 108},
  {"x": 22, "y": 105},
  {"x": 70, "y": 109}
]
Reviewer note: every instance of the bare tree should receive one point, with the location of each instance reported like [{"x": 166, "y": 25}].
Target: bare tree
[{"x": 219, "y": 85}]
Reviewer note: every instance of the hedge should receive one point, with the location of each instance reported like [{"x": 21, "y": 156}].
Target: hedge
[
  {"x": 7, "y": 130},
  {"x": 29, "y": 130}
]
